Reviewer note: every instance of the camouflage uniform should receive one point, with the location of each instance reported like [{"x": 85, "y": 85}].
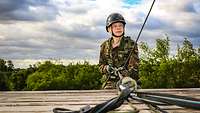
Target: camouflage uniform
[{"x": 117, "y": 57}]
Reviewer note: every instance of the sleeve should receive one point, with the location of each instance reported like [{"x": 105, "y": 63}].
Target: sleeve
[
  {"x": 102, "y": 60},
  {"x": 133, "y": 64}
]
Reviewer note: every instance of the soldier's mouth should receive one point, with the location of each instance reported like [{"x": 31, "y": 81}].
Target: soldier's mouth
[{"x": 119, "y": 32}]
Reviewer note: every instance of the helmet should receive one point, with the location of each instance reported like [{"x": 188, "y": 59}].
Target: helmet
[{"x": 114, "y": 17}]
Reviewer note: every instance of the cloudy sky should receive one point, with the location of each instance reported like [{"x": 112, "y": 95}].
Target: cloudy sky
[{"x": 72, "y": 30}]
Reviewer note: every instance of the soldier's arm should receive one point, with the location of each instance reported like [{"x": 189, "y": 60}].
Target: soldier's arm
[
  {"x": 133, "y": 65},
  {"x": 102, "y": 60}
]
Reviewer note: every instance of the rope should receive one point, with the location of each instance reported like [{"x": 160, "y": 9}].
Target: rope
[
  {"x": 181, "y": 101},
  {"x": 126, "y": 62}
]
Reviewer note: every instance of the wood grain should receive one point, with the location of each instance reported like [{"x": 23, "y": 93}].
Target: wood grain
[{"x": 45, "y": 101}]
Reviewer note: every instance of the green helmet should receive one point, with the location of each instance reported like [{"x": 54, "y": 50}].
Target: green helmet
[{"x": 113, "y": 18}]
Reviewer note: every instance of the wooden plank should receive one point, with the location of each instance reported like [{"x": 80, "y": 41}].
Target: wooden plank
[{"x": 45, "y": 101}]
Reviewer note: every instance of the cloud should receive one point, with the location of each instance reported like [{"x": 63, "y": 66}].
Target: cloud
[
  {"x": 183, "y": 18},
  {"x": 74, "y": 29},
  {"x": 27, "y": 10},
  {"x": 175, "y": 18}
]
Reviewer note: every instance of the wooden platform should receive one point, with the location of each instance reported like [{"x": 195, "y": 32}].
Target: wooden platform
[{"x": 45, "y": 101}]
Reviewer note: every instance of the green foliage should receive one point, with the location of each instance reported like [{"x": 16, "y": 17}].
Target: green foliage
[
  {"x": 88, "y": 77},
  {"x": 4, "y": 77},
  {"x": 162, "y": 48},
  {"x": 46, "y": 75},
  {"x": 5, "y": 72},
  {"x": 158, "y": 70},
  {"x": 3, "y": 67},
  {"x": 51, "y": 77},
  {"x": 17, "y": 81}
]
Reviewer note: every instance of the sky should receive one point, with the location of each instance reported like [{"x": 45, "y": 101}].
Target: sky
[{"x": 73, "y": 30}]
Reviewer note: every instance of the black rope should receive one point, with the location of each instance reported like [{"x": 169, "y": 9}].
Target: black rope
[
  {"x": 149, "y": 98},
  {"x": 126, "y": 62},
  {"x": 182, "y": 101},
  {"x": 103, "y": 107},
  {"x": 63, "y": 110},
  {"x": 151, "y": 104}
]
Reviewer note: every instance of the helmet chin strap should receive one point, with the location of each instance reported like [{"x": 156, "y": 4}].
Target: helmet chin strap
[{"x": 117, "y": 36}]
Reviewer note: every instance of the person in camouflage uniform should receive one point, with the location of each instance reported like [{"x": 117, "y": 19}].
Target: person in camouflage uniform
[{"x": 115, "y": 51}]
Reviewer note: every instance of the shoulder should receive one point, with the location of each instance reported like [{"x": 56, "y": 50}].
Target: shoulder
[
  {"x": 105, "y": 43},
  {"x": 129, "y": 40}
]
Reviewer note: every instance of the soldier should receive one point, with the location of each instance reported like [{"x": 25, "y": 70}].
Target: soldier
[{"x": 115, "y": 51}]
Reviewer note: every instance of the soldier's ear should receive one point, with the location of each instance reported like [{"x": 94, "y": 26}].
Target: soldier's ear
[{"x": 109, "y": 29}]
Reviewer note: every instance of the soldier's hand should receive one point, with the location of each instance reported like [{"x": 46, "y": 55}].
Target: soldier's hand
[
  {"x": 109, "y": 69},
  {"x": 124, "y": 71}
]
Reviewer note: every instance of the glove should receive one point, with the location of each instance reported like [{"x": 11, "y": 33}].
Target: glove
[
  {"x": 109, "y": 69},
  {"x": 124, "y": 71}
]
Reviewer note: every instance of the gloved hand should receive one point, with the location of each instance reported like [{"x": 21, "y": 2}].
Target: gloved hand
[
  {"x": 109, "y": 69},
  {"x": 123, "y": 71}
]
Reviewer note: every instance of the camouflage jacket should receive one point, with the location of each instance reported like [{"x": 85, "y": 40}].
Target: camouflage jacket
[{"x": 117, "y": 56}]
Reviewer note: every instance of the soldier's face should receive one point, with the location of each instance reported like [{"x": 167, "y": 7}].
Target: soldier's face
[{"x": 117, "y": 28}]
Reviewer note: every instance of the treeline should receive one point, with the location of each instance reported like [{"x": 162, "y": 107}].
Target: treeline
[
  {"x": 50, "y": 76},
  {"x": 157, "y": 70}
]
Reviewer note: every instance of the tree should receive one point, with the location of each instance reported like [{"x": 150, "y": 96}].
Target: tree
[
  {"x": 50, "y": 76},
  {"x": 158, "y": 70},
  {"x": 3, "y": 67},
  {"x": 186, "y": 51},
  {"x": 154, "y": 63},
  {"x": 17, "y": 81},
  {"x": 10, "y": 65},
  {"x": 4, "y": 75},
  {"x": 162, "y": 48},
  {"x": 188, "y": 65}
]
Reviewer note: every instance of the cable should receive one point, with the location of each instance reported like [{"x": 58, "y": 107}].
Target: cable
[{"x": 126, "y": 62}]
